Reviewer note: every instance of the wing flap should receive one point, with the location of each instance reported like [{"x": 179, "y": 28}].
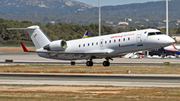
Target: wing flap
[{"x": 57, "y": 52}]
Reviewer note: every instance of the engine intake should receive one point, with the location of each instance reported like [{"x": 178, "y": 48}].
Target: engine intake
[{"x": 59, "y": 45}]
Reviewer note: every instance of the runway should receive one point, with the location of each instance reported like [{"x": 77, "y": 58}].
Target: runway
[
  {"x": 131, "y": 80},
  {"x": 33, "y": 58}
]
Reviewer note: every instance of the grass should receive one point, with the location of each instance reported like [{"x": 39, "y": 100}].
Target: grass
[
  {"x": 87, "y": 93},
  {"x": 96, "y": 69}
]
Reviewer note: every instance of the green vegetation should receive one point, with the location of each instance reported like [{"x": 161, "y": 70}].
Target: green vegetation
[
  {"x": 147, "y": 14},
  {"x": 57, "y": 31}
]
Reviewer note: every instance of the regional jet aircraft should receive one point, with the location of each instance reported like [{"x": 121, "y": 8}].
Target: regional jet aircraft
[
  {"x": 169, "y": 50},
  {"x": 107, "y": 46}
]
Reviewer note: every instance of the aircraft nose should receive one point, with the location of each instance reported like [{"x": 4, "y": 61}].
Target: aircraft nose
[
  {"x": 165, "y": 41},
  {"x": 171, "y": 40}
]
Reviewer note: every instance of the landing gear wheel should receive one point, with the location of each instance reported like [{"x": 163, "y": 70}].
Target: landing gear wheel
[
  {"x": 89, "y": 63},
  {"x": 73, "y": 63},
  {"x": 106, "y": 63}
]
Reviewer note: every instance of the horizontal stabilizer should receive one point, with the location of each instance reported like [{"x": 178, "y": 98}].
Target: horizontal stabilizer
[{"x": 21, "y": 28}]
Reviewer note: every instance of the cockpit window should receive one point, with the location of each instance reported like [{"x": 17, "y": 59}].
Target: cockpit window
[
  {"x": 155, "y": 33},
  {"x": 159, "y": 33},
  {"x": 151, "y": 33}
]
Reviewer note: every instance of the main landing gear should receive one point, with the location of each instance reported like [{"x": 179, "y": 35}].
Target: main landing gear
[
  {"x": 89, "y": 63},
  {"x": 105, "y": 63},
  {"x": 73, "y": 63}
]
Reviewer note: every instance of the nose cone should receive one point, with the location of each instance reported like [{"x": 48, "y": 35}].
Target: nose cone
[
  {"x": 171, "y": 40},
  {"x": 165, "y": 41}
]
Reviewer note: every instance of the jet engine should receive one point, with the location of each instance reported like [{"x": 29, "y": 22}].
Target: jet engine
[{"x": 59, "y": 45}]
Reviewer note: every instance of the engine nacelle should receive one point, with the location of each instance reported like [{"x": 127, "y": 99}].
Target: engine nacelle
[{"x": 59, "y": 45}]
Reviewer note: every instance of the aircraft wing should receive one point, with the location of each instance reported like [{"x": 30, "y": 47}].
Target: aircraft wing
[
  {"x": 88, "y": 53},
  {"x": 55, "y": 52}
]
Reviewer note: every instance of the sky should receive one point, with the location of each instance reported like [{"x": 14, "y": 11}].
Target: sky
[{"x": 113, "y": 2}]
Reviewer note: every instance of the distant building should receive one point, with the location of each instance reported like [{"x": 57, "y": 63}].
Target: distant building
[
  {"x": 147, "y": 19},
  {"x": 80, "y": 9},
  {"x": 137, "y": 22},
  {"x": 178, "y": 21},
  {"x": 129, "y": 19},
  {"x": 53, "y": 22},
  {"x": 113, "y": 25},
  {"x": 162, "y": 27},
  {"x": 123, "y": 23},
  {"x": 109, "y": 22},
  {"x": 176, "y": 37},
  {"x": 165, "y": 21},
  {"x": 160, "y": 23}
]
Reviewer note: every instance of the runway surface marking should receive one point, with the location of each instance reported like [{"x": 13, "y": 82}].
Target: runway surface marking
[{"x": 88, "y": 79}]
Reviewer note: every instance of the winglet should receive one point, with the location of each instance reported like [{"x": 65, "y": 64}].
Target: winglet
[
  {"x": 174, "y": 46},
  {"x": 24, "y": 48}
]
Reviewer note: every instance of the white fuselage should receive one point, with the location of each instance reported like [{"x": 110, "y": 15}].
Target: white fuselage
[{"x": 113, "y": 44}]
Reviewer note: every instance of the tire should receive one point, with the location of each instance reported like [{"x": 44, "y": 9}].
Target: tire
[
  {"x": 89, "y": 63},
  {"x": 106, "y": 63}
]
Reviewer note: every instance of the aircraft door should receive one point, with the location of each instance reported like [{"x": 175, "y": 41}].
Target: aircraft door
[
  {"x": 139, "y": 40},
  {"x": 101, "y": 42}
]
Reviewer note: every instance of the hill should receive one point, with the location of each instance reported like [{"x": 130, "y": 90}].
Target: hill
[
  {"x": 73, "y": 12},
  {"x": 42, "y": 6}
]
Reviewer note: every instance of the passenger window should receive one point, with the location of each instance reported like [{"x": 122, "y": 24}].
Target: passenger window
[
  {"x": 151, "y": 33},
  {"x": 119, "y": 40},
  {"x": 114, "y": 40},
  {"x": 124, "y": 39},
  {"x": 128, "y": 38},
  {"x": 105, "y": 42},
  {"x": 79, "y": 45},
  {"x": 88, "y": 44},
  {"x": 109, "y": 41},
  {"x": 96, "y": 43},
  {"x": 84, "y": 45},
  {"x": 92, "y": 44}
]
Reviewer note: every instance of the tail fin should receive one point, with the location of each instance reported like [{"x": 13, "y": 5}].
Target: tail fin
[
  {"x": 38, "y": 37},
  {"x": 85, "y": 35}
]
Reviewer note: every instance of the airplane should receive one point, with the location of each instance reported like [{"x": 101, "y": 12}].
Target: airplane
[
  {"x": 85, "y": 35},
  {"x": 99, "y": 47},
  {"x": 169, "y": 50}
]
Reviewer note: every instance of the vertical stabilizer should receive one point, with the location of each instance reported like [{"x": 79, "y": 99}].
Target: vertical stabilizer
[{"x": 38, "y": 37}]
